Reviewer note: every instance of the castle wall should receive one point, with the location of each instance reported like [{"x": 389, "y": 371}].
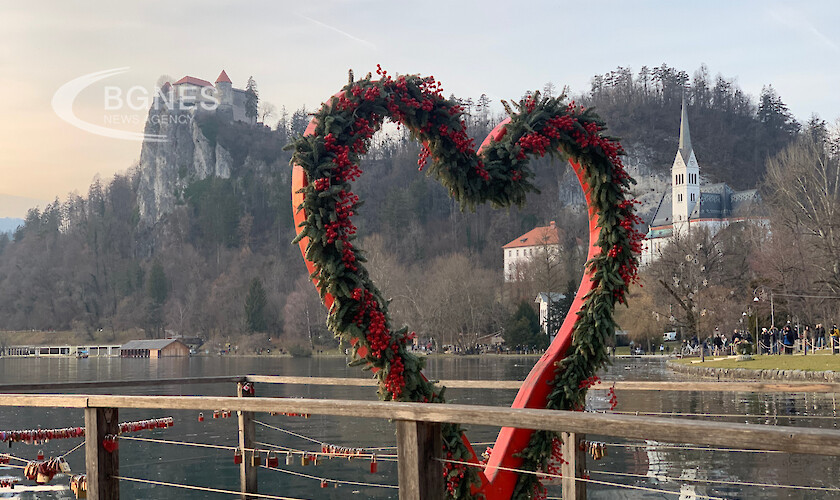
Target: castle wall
[{"x": 240, "y": 99}]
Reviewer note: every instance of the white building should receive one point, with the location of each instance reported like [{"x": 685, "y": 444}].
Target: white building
[
  {"x": 519, "y": 252},
  {"x": 545, "y": 300},
  {"x": 688, "y": 206}
]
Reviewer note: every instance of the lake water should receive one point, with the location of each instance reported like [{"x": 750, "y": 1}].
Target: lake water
[{"x": 646, "y": 463}]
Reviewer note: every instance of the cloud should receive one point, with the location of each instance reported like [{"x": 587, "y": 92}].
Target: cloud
[
  {"x": 797, "y": 22},
  {"x": 343, "y": 33}
]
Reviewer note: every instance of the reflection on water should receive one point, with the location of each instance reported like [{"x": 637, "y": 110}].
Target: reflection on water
[{"x": 649, "y": 463}]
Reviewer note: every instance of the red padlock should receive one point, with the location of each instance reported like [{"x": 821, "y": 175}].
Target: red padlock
[
  {"x": 237, "y": 456},
  {"x": 271, "y": 460},
  {"x": 201, "y": 417},
  {"x": 40, "y": 454},
  {"x": 374, "y": 467},
  {"x": 216, "y": 413},
  {"x": 110, "y": 443},
  {"x": 323, "y": 483}
]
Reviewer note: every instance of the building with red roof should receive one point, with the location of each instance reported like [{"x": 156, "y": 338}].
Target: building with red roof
[
  {"x": 199, "y": 94},
  {"x": 519, "y": 252}
]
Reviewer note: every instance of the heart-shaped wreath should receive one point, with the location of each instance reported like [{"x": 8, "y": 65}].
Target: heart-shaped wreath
[{"x": 326, "y": 161}]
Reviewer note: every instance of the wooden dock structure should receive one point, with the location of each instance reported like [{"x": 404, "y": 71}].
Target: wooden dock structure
[{"x": 418, "y": 425}]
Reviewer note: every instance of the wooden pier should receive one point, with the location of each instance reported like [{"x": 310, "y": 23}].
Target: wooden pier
[{"x": 418, "y": 425}]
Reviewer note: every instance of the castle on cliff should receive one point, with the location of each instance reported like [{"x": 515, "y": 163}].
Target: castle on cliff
[{"x": 191, "y": 93}]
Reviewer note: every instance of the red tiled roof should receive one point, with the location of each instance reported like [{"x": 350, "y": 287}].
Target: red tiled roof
[
  {"x": 223, "y": 78},
  {"x": 191, "y": 80},
  {"x": 543, "y": 235}
]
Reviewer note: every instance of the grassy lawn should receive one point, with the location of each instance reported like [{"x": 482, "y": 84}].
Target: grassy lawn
[
  {"x": 811, "y": 362},
  {"x": 68, "y": 337}
]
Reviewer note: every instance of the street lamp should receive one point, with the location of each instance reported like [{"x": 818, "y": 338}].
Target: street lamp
[{"x": 772, "y": 306}]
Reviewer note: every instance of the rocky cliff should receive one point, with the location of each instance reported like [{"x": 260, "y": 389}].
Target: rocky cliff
[{"x": 168, "y": 166}]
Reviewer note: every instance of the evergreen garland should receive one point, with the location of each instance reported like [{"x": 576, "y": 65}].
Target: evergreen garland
[{"x": 501, "y": 175}]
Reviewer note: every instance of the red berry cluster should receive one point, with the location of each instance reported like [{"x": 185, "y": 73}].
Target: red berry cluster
[
  {"x": 589, "y": 382},
  {"x": 613, "y": 398},
  {"x": 481, "y": 171},
  {"x": 371, "y": 93},
  {"x": 362, "y": 132},
  {"x": 423, "y": 157},
  {"x": 345, "y": 104},
  {"x": 454, "y": 474},
  {"x": 378, "y": 337},
  {"x": 395, "y": 381},
  {"x": 347, "y": 171},
  {"x": 534, "y": 142},
  {"x": 342, "y": 228}
]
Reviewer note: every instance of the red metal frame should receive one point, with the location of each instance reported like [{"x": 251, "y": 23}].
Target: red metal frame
[{"x": 497, "y": 483}]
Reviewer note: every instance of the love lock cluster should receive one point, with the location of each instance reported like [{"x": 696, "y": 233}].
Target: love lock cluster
[
  {"x": 8, "y": 483},
  {"x": 78, "y": 485},
  {"x": 38, "y": 436},
  {"x": 42, "y": 472},
  {"x": 144, "y": 425},
  {"x": 597, "y": 450}
]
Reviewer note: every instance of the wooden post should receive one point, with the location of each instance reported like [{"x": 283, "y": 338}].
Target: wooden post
[
  {"x": 419, "y": 449},
  {"x": 574, "y": 466},
  {"x": 101, "y": 465},
  {"x": 247, "y": 436}
]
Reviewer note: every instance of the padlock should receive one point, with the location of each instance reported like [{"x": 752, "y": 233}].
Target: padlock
[
  {"x": 237, "y": 456},
  {"x": 323, "y": 483},
  {"x": 256, "y": 458},
  {"x": 201, "y": 417},
  {"x": 304, "y": 460},
  {"x": 216, "y": 413},
  {"x": 290, "y": 460},
  {"x": 314, "y": 460},
  {"x": 271, "y": 460},
  {"x": 63, "y": 466},
  {"x": 374, "y": 467},
  {"x": 40, "y": 454}
]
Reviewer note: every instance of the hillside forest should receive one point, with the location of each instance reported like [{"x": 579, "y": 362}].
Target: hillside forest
[{"x": 221, "y": 266}]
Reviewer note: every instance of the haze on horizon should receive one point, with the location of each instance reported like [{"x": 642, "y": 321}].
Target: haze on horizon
[{"x": 299, "y": 54}]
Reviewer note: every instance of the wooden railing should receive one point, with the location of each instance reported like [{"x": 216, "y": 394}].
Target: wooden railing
[{"x": 418, "y": 426}]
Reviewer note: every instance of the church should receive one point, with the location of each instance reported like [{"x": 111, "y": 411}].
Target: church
[{"x": 688, "y": 205}]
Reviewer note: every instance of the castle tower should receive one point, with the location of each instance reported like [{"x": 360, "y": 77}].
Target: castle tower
[
  {"x": 224, "y": 89},
  {"x": 685, "y": 177}
]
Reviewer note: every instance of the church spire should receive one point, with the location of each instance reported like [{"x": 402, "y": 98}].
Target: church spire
[{"x": 685, "y": 136}]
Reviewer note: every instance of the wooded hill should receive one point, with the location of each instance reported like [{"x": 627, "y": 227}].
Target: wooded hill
[{"x": 221, "y": 264}]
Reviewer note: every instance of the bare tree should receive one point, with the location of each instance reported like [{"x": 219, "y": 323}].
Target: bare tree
[
  {"x": 804, "y": 185},
  {"x": 695, "y": 271},
  {"x": 266, "y": 111}
]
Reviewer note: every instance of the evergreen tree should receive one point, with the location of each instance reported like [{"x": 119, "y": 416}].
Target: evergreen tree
[
  {"x": 157, "y": 288},
  {"x": 255, "y": 304},
  {"x": 523, "y": 328},
  {"x": 253, "y": 98}
]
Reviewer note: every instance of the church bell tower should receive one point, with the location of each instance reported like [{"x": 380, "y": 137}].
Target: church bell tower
[{"x": 685, "y": 177}]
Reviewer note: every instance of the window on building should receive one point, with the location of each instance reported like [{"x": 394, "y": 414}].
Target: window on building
[{"x": 692, "y": 196}]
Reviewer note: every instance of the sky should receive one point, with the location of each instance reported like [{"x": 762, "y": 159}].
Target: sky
[{"x": 299, "y": 54}]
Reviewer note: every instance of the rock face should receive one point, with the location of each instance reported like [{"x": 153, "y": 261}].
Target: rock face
[{"x": 168, "y": 167}]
